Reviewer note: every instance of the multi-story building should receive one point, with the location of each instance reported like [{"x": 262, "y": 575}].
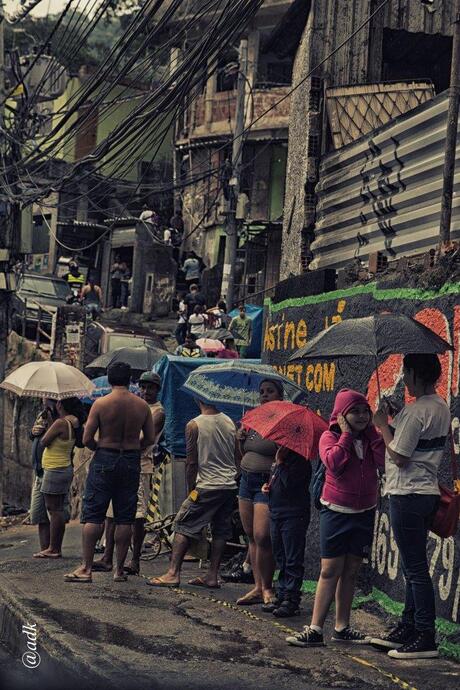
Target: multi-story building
[
  {"x": 74, "y": 215},
  {"x": 203, "y": 149}
]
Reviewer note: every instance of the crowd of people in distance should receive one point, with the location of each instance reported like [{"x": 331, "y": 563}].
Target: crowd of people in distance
[
  {"x": 195, "y": 320},
  {"x": 272, "y": 486}
]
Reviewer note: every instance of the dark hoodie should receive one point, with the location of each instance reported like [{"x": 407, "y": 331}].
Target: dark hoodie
[
  {"x": 351, "y": 482},
  {"x": 289, "y": 487}
]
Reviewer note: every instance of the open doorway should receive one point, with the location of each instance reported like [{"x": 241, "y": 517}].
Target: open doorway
[{"x": 410, "y": 56}]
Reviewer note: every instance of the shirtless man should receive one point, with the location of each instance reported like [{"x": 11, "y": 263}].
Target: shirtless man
[
  {"x": 150, "y": 384},
  {"x": 114, "y": 471}
]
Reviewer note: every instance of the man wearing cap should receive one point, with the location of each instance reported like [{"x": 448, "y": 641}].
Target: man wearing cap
[{"x": 150, "y": 384}]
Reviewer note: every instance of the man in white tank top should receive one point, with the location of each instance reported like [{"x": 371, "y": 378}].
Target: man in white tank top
[{"x": 211, "y": 469}]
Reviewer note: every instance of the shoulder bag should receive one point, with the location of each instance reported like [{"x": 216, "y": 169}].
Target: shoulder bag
[{"x": 446, "y": 518}]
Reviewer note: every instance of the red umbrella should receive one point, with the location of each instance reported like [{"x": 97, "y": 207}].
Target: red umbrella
[{"x": 292, "y": 426}]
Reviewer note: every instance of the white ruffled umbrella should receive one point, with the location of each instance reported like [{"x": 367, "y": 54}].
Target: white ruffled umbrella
[{"x": 48, "y": 380}]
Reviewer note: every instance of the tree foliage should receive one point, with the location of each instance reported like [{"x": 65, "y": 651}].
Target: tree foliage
[{"x": 67, "y": 45}]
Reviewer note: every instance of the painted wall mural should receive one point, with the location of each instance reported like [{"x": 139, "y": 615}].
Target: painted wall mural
[{"x": 290, "y": 323}]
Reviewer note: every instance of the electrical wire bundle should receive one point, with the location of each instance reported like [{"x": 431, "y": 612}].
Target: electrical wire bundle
[{"x": 26, "y": 177}]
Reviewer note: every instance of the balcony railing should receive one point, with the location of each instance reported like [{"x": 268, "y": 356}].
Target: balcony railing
[{"x": 217, "y": 117}]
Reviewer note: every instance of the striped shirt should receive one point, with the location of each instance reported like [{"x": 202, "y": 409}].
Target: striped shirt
[{"x": 420, "y": 434}]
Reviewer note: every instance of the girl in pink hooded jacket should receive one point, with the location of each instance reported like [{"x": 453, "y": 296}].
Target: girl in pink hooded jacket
[{"x": 352, "y": 451}]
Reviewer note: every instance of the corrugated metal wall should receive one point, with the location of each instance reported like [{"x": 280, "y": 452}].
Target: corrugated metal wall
[{"x": 385, "y": 190}]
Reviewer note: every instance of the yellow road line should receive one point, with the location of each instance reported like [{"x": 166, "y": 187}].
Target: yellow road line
[{"x": 284, "y": 628}]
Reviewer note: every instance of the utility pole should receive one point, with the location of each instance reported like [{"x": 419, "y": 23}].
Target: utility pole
[
  {"x": 451, "y": 133},
  {"x": 4, "y": 257},
  {"x": 228, "y": 278}
]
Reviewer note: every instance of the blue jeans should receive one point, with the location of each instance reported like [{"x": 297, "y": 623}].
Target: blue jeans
[
  {"x": 411, "y": 517},
  {"x": 288, "y": 536},
  {"x": 113, "y": 476}
]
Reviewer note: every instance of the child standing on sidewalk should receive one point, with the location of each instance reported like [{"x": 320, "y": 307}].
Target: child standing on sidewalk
[
  {"x": 289, "y": 503},
  {"x": 352, "y": 451}
]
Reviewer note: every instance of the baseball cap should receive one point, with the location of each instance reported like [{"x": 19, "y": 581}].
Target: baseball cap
[{"x": 150, "y": 377}]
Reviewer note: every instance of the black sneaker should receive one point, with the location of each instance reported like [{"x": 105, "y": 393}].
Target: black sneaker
[
  {"x": 270, "y": 606},
  {"x": 421, "y": 646},
  {"x": 286, "y": 609},
  {"x": 306, "y": 638},
  {"x": 238, "y": 575},
  {"x": 350, "y": 635},
  {"x": 396, "y": 638}
]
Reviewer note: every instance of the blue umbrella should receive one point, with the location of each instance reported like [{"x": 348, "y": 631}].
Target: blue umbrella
[
  {"x": 103, "y": 387},
  {"x": 236, "y": 382}
]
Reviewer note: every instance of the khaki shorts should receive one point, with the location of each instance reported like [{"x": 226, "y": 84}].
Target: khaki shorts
[
  {"x": 213, "y": 507},
  {"x": 143, "y": 495}
]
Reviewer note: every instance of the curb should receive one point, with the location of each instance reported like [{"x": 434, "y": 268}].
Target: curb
[{"x": 58, "y": 660}]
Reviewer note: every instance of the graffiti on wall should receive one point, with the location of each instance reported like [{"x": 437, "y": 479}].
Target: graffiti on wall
[{"x": 290, "y": 324}]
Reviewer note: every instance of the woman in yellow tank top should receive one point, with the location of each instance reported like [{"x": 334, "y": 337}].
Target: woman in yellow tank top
[{"x": 59, "y": 442}]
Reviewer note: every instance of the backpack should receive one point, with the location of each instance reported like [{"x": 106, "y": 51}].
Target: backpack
[{"x": 317, "y": 484}]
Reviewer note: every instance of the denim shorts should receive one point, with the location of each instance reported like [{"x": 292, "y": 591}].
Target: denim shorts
[
  {"x": 250, "y": 486},
  {"x": 343, "y": 533},
  {"x": 113, "y": 476},
  {"x": 37, "y": 511},
  {"x": 57, "y": 481}
]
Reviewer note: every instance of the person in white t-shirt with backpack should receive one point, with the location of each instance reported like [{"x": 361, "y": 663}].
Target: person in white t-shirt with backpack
[{"x": 415, "y": 443}]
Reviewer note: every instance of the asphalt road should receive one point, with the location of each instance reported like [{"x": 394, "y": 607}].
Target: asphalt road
[{"x": 130, "y": 635}]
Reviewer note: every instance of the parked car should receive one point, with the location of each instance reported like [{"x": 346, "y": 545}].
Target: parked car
[
  {"x": 120, "y": 336},
  {"x": 35, "y": 291},
  {"x": 101, "y": 339}
]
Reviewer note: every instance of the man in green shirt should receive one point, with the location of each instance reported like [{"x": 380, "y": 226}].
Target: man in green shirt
[{"x": 241, "y": 327}]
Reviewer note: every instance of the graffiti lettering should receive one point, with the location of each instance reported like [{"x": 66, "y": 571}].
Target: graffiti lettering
[
  {"x": 385, "y": 554},
  {"x": 285, "y": 336},
  {"x": 314, "y": 377},
  {"x": 385, "y": 559}
]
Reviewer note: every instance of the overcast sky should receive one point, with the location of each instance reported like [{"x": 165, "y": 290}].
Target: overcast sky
[{"x": 43, "y": 8}]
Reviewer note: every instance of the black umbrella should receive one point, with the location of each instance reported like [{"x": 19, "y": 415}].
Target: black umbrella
[
  {"x": 219, "y": 334},
  {"x": 373, "y": 336},
  {"x": 139, "y": 358}
]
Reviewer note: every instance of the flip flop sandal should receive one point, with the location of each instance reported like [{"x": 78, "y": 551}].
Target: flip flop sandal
[
  {"x": 249, "y": 602},
  {"x": 157, "y": 582},
  {"x": 99, "y": 568},
  {"x": 40, "y": 554},
  {"x": 120, "y": 578},
  {"x": 200, "y": 582},
  {"x": 73, "y": 577}
]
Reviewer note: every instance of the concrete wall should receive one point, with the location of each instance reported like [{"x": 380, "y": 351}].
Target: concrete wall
[
  {"x": 20, "y": 414},
  {"x": 152, "y": 257},
  {"x": 290, "y": 322}
]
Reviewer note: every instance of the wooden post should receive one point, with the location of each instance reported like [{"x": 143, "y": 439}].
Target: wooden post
[{"x": 451, "y": 134}]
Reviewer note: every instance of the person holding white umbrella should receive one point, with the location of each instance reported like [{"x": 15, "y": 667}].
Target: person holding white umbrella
[
  {"x": 61, "y": 382},
  {"x": 59, "y": 442}
]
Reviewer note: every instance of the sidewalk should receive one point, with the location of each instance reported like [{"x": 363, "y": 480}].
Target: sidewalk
[{"x": 129, "y": 635}]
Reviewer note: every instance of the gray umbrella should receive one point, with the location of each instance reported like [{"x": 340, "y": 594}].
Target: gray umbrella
[
  {"x": 373, "y": 336},
  {"x": 139, "y": 358}
]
